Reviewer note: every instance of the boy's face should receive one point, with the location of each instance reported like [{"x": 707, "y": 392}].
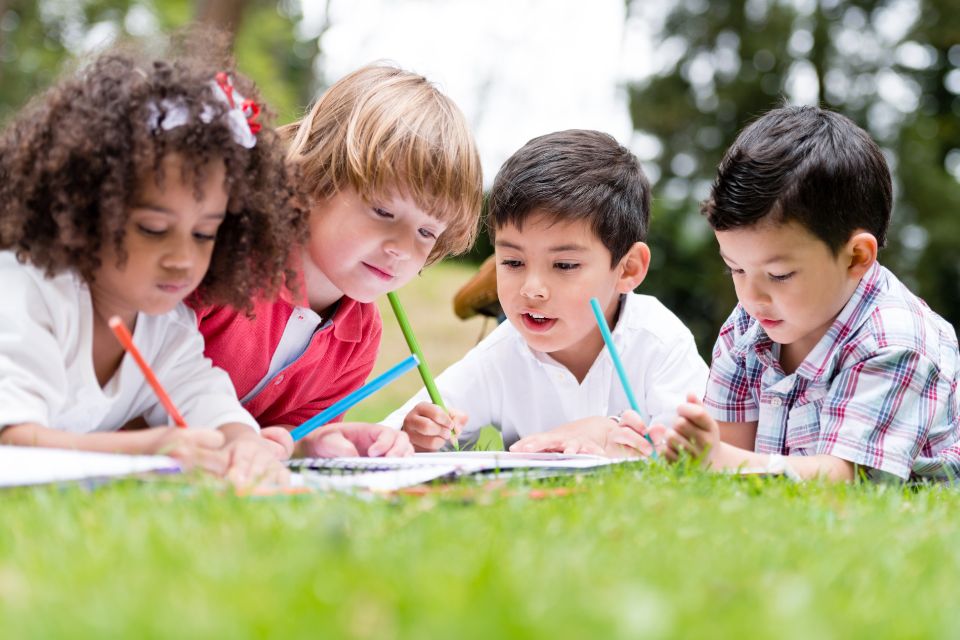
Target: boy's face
[
  {"x": 365, "y": 249},
  {"x": 546, "y": 275},
  {"x": 789, "y": 281},
  {"x": 169, "y": 241}
]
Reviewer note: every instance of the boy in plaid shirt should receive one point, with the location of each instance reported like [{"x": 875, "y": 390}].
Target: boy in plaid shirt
[{"x": 828, "y": 363}]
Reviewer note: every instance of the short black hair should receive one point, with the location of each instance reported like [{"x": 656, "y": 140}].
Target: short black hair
[
  {"x": 575, "y": 175},
  {"x": 807, "y": 164}
]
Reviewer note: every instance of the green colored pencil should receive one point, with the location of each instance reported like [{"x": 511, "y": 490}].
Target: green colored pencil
[{"x": 411, "y": 339}]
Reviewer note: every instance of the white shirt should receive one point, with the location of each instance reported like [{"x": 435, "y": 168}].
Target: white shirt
[
  {"x": 505, "y": 383},
  {"x": 46, "y": 361}
]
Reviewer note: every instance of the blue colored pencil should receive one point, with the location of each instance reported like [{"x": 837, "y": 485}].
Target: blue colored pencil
[
  {"x": 617, "y": 363},
  {"x": 351, "y": 399}
]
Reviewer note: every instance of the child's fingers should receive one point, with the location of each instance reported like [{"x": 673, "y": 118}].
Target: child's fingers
[
  {"x": 627, "y": 437},
  {"x": 434, "y": 413},
  {"x": 241, "y": 465},
  {"x": 425, "y": 443},
  {"x": 215, "y": 461},
  {"x": 382, "y": 443},
  {"x": 330, "y": 444},
  {"x": 426, "y": 427},
  {"x": 400, "y": 448},
  {"x": 281, "y": 438},
  {"x": 589, "y": 447},
  {"x": 459, "y": 421},
  {"x": 695, "y": 413},
  {"x": 536, "y": 444}
]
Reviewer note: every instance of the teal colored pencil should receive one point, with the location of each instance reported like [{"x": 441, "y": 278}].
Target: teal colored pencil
[
  {"x": 617, "y": 363},
  {"x": 351, "y": 399},
  {"x": 414, "y": 346}
]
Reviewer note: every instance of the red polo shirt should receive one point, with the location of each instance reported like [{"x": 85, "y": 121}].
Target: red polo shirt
[{"x": 337, "y": 360}]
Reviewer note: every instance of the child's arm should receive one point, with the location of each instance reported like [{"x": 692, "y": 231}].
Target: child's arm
[
  {"x": 597, "y": 435},
  {"x": 191, "y": 447},
  {"x": 742, "y": 435},
  {"x": 698, "y": 434},
  {"x": 465, "y": 387}
]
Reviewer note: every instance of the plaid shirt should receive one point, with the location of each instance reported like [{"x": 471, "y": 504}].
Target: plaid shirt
[{"x": 879, "y": 389}]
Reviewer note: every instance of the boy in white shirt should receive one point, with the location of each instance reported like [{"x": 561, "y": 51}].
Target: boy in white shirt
[{"x": 568, "y": 215}]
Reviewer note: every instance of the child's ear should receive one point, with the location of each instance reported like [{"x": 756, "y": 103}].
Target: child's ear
[
  {"x": 861, "y": 252},
  {"x": 633, "y": 267}
]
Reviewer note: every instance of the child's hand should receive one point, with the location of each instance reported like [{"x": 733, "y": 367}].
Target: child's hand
[
  {"x": 281, "y": 439},
  {"x": 192, "y": 448},
  {"x": 253, "y": 462},
  {"x": 694, "y": 432},
  {"x": 596, "y": 435},
  {"x": 430, "y": 427},
  {"x": 356, "y": 439}
]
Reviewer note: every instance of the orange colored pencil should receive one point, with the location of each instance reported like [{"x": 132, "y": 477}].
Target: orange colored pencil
[{"x": 123, "y": 335}]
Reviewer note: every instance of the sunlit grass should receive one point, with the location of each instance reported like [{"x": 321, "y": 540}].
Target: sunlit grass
[{"x": 634, "y": 551}]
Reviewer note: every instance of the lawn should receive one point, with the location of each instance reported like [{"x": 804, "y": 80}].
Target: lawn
[{"x": 634, "y": 551}]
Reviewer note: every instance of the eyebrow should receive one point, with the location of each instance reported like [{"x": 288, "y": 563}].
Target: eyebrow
[
  {"x": 213, "y": 215},
  {"x": 780, "y": 257},
  {"x": 556, "y": 249}
]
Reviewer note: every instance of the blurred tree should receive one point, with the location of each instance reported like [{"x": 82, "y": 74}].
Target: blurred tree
[
  {"x": 271, "y": 42},
  {"x": 891, "y": 65}
]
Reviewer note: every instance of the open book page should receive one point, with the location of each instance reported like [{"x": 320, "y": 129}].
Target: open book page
[
  {"x": 387, "y": 474},
  {"x": 21, "y": 466}
]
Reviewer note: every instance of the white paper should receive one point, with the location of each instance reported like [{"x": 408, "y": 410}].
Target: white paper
[
  {"x": 389, "y": 474},
  {"x": 21, "y": 466}
]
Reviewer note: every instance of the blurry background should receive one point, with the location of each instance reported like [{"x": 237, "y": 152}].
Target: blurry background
[{"x": 673, "y": 79}]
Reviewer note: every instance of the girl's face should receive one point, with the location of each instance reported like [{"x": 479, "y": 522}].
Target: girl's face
[{"x": 169, "y": 242}]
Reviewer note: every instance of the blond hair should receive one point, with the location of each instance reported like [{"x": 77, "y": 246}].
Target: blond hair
[{"x": 382, "y": 129}]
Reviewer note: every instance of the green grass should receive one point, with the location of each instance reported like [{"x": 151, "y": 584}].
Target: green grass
[
  {"x": 627, "y": 553},
  {"x": 630, "y": 552}
]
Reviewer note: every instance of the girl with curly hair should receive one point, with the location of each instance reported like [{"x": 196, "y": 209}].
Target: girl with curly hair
[{"x": 123, "y": 189}]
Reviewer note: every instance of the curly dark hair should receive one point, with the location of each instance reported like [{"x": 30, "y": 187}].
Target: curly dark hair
[{"x": 72, "y": 160}]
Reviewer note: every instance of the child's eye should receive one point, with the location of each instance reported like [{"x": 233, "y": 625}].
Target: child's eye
[
  {"x": 382, "y": 213},
  {"x": 566, "y": 266},
  {"x": 205, "y": 237},
  {"x": 511, "y": 264},
  {"x": 730, "y": 271},
  {"x": 153, "y": 233},
  {"x": 429, "y": 235},
  {"x": 781, "y": 278}
]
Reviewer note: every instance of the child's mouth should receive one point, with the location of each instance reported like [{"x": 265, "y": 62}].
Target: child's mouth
[
  {"x": 379, "y": 273},
  {"x": 536, "y": 322}
]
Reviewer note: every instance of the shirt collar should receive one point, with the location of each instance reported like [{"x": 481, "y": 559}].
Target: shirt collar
[{"x": 347, "y": 314}]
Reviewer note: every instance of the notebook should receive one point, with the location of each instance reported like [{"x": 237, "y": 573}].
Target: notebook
[
  {"x": 21, "y": 466},
  {"x": 388, "y": 474}
]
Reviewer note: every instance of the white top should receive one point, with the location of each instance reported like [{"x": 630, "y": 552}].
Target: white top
[
  {"x": 505, "y": 383},
  {"x": 46, "y": 361}
]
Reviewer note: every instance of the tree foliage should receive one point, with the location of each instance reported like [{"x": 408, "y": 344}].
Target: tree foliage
[{"x": 886, "y": 64}]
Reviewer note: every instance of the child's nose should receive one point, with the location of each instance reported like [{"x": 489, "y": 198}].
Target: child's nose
[
  {"x": 753, "y": 292},
  {"x": 399, "y": 246},
  {"x": 534, "y": 288},
  {"x": 180, "y": 254}
]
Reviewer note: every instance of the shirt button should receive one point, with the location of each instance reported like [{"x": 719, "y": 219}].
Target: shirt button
[
  {"x": 279, "y": 379},
  {"x": 776, "y": 402}
]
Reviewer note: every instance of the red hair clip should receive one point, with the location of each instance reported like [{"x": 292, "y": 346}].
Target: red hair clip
[
  {"x": 223, "y": 80},
  {"x": 251, "y": 110}
]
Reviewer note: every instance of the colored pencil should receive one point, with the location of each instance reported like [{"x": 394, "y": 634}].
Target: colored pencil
[
  {"x": 414, "y": 346},
  {"x": 123, "y": 335},
  {"x": 617, "y": 363},
  {"x": 351, "y": 399}
]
